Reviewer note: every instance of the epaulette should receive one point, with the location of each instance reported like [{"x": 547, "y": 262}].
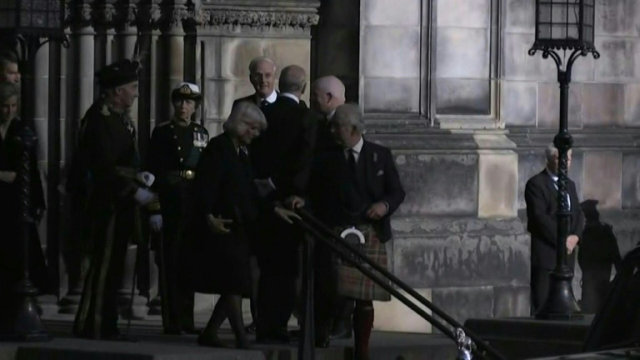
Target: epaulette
[{"x": 164, "y": 123}]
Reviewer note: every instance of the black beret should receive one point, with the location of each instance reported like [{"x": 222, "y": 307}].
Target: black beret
[
  {"x": 186, "y": 90},
  {"x": 119, "y": 73}
]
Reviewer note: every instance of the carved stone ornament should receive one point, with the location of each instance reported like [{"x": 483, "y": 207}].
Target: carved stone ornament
[
  {"x": 78, "y": 14},
  {"x": 172, "y": 17},
  {"x": 259, "y": 20},
  {"x": 103, "y": 15}
]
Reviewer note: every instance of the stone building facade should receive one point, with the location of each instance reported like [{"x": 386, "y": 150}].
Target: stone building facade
[{"x": 447, "y": 84}]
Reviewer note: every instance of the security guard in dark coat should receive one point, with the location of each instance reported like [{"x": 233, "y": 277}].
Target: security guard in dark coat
[
  {"x": 116, "y": 188},
  {"x": 175, "y": 149}
]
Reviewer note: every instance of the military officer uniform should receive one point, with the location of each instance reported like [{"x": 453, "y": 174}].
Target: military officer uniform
[{"x": 174, "y": 152}]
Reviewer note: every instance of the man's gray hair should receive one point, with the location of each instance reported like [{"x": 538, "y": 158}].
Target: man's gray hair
[
  {"x": 351, "y": 114},
  {"x": 7, "y": 58},
  {"x": 8, "y": 90},
  {"x": 244, "y": 111},
  {"x": 292, "y": 79},
  {"x": 257, "y": 60},
  {"x": 550, "y": 152}
]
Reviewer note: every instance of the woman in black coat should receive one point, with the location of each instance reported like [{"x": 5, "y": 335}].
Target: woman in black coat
[
  {"x": 11, "y": 218},
  {"x": 226, "y": 209}
]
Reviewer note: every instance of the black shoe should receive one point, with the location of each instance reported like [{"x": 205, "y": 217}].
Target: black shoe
[
  {"x": 323, "y": 342},
  {"x": 251, "y": 328},
  {"x": 191, "y": 331},
  {"x": 120, "y": 337},
  {"x": 343, "y": 333},
  {"x": 172, "y": 331},
  {"x": 272, "y": 338},
  {"x": 211, "y": 341}
]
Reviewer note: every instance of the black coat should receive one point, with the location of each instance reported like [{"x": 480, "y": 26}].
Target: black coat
[
  {"x": 542, "y": 205},
  {"x": 284, "y": 151},
  {"x": 224, "y": 188},
  {"x": 333, "y": 200},
  {"x": 11, "y": 217},
  {"x": 107, "y": 145}
]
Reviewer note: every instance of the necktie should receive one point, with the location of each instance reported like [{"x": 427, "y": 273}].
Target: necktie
[
  {"x": 568, "y": 198},
  {"x": 264, "y": 103},
  {"x": 351, "y": 159}
]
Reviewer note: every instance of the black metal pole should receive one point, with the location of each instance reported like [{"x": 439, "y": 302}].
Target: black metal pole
[
  {"x": 560, "y": 302},
  {"x": 306, "y": 343},
  {"x": 53, "y": 168}
]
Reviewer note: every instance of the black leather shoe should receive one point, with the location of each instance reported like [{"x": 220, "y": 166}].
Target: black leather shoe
[
  {"x": 272, "y": 338},
  {"x": 251, "y": 328},
  {"x": 211, "y": 341},
  {"x": 323, "y": 342}
]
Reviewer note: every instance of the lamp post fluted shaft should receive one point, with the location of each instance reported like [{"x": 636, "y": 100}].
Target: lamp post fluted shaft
[{"x": 560, "y": 301}]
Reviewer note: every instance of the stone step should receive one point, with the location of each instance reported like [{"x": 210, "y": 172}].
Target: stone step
[{"x": 152, "y": 344}]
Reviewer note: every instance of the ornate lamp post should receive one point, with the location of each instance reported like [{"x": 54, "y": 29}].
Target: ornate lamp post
[
  {"x": 25, "y": 25},
  {"x": 563, "y": 26}
]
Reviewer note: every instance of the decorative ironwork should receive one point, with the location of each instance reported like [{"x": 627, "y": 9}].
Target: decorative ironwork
[{"x": 565, "y": 25}]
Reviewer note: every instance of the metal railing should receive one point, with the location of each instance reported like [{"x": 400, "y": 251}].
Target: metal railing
[{"x": 469, "y": 344}]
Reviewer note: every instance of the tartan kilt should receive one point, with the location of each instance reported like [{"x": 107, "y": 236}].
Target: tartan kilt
[{"x": 351, "y": 282}]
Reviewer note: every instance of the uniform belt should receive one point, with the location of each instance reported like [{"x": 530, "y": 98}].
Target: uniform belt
[{"x": 185, "y": 174}]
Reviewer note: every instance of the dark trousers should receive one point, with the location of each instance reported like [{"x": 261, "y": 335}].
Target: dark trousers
[
  {"x": 595, "y": 288},
  {"x": 97, "y": 316},
  {"x": 539, "y": 287},
  {"x": 277, "y": 254},
  {"x": 176, "y": 295}
]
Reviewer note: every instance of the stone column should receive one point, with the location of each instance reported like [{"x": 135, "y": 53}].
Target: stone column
[
  {"x": 79, "y": 97},
  {"x": 136, "y": 273},
  {"x": 170, "y": 55}
]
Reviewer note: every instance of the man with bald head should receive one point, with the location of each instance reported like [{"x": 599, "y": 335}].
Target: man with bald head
[
  {"x": 262, "y": 75},
  {"x": 281, "y": 159},
  {"x": 327, "y": 93}
]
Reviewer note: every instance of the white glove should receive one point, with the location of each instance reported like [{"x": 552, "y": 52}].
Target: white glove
[
  {"x": 146, "y": 178},
  {"x": 143, "y": 196},
  {"x": 155, "y": 222}
]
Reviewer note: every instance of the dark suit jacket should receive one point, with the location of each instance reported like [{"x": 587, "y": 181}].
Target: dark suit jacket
[
  {"x": 250, "y": 98},
  {"x": 330, "y": 197},
  {"x": 542, "y": 205},
  {"x": 284, "y": 151}
]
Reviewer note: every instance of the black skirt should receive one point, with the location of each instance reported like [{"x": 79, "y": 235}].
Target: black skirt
[{"x": 221, "y": 262}]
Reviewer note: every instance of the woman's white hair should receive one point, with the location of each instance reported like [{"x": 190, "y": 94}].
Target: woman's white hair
[{"x": 244, "y": 111}]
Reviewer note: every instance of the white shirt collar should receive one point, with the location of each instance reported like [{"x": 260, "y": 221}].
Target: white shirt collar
[
  {"x": 290, "y": 96},
  {"x": 330, "y": 115},
  {"x": 357, "y": 148},
  {"x": 552, "y": 175},
  {"x": 271, "y": 98}
]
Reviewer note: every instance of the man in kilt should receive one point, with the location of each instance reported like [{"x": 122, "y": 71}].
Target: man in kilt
[{"x": 354, "y": 187}]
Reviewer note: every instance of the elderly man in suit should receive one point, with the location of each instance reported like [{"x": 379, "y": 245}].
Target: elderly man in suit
[
  {"x": 541, "y": 196},
  {"x": 355, "y": 185},
  {"x": 327, "y": 93},
  {"x": 262, "y": 75},
  {"x": 281, "y": 158}
]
